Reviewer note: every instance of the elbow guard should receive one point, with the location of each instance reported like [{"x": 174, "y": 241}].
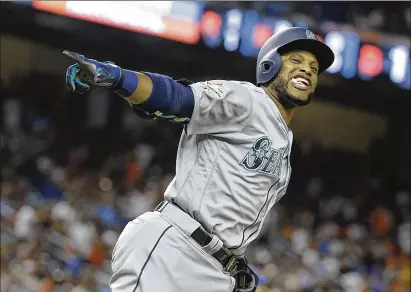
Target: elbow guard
[{"x": 170, "y": 100}]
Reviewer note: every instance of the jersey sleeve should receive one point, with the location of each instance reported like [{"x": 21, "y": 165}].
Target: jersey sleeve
[{"x": 220, "y": 107}]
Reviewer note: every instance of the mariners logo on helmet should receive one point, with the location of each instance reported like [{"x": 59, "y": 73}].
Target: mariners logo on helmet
[{"x": 310, "y": 35}]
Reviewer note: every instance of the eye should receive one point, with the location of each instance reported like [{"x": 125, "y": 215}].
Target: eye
[
  {"x": 296, "y": 61},
  {"x": 314, "y": 69}
]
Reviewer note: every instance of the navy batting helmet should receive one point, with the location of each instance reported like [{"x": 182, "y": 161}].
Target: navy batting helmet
[{"x": 291, "y": 39}]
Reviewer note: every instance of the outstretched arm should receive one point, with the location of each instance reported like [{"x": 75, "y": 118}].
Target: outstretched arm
[
  {"x": 214, "y": 107},
  {"x": 151, "y": 95}
]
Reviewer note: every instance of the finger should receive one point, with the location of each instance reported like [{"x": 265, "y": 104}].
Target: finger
[
  {"x": 85, "y": 63},
  {"x": 77, "y": 57},
  {"x": 80, "y": 83},
  {"x": 82, "y": 87},
  {"x": 70, "y": 76}
]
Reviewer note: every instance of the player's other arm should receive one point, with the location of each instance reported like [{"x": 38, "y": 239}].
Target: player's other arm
[{"x": 151, "y": 95}]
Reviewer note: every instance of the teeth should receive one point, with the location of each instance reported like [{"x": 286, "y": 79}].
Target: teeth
[
  {"x": 299, "y": 79},
  {"x": 300, "y": 82}
]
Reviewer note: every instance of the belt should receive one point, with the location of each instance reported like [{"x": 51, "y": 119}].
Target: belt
[{"x": 203, "y": 238}]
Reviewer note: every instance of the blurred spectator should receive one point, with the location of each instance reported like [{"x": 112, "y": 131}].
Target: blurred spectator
[
  {"x": 25, "y": 223},
  {"x": 97, "y": 252},
  {"x": 82, "y": 234},
  {"x": 381, "y": 221}
]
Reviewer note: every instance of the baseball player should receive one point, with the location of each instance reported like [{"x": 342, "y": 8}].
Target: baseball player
[{"x": 233, "y": 164}]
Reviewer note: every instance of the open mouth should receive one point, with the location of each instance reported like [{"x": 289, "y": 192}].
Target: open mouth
[{"x": 300, "y": 82}]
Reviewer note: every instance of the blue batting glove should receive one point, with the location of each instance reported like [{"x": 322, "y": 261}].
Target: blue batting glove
[{"x": 88, "y": 72}]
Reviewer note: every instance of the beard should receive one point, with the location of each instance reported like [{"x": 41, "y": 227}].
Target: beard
[{"x": 279, "y": 86}]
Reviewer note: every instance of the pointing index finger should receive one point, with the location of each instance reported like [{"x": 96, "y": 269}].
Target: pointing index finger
[{"x": 77, "y": 57}]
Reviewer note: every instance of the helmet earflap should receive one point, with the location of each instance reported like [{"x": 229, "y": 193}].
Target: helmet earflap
[{"x": 269, "y": 66}]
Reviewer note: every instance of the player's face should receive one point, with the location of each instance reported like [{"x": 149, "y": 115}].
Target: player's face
[
  {"x": 300, "y": 69},
  {"x": 297, "y": 78}
]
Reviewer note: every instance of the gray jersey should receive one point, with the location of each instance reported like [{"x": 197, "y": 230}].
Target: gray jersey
[{"x": 233, "y": 164}]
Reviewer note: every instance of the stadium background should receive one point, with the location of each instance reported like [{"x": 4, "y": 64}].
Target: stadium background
[{"x": 75, "y": 168}]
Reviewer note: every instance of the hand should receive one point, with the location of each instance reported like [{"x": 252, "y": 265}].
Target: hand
[
  {"x": 88, "y": 72},
  {"x": 245, "y": 278}
]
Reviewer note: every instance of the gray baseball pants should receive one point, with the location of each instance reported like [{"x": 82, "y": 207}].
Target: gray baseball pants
[{"x": 155, "y": 253}]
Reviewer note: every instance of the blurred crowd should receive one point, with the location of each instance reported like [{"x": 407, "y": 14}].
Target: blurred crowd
[
  {"x": 76, "y": 168},
  {"x": 382, "y": 16}
]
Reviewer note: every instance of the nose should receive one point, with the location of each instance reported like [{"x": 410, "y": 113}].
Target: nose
[{"x": 306, "y": 70}]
